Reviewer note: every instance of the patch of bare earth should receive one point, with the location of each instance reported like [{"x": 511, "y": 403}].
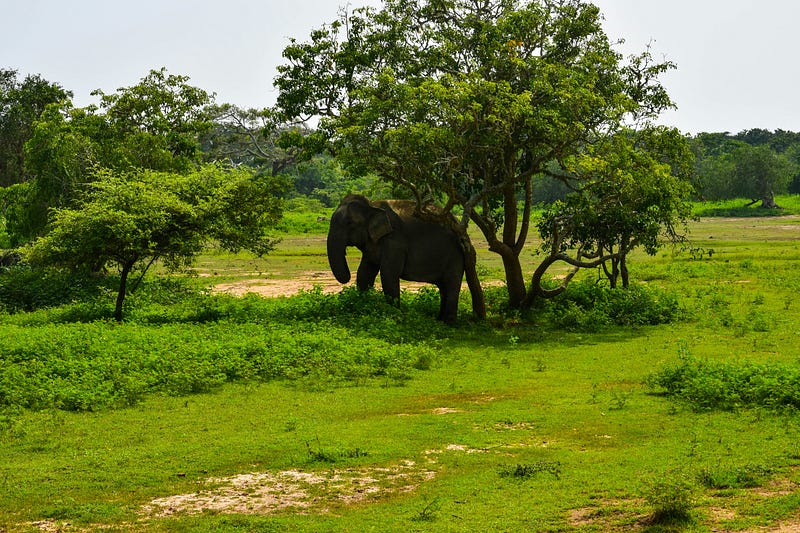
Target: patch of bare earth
[
  {"x": 610, "y": 515},
  {"x": 281, "y": 287},
  {"x": 273, "y": 288},
  {"x": 271, "y": 492}
]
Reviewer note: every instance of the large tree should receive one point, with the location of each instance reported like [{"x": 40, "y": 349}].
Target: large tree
[
  {"x": 250, "y": 137},
  {"x": 465, "y": 102}
]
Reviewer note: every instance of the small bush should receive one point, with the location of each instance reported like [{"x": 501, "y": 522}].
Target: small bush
[{"x": 671, "y": 501}]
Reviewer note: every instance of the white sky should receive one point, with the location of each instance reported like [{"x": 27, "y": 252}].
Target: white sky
[{"x": 737, "y": 59}]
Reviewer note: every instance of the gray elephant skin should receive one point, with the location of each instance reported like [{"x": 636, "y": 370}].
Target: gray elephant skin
[{"x": 398, "y": 245}]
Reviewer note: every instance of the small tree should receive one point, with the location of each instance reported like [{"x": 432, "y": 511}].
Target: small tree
[
  {"x": 155, "y": 124},
  {"x": 629, "y": 198},
  {"x": 133, "y": 220},
  {"x": 759, "y": 173}
]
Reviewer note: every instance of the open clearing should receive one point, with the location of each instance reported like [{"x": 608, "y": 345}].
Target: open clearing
[{"x": 505, "y": 426}]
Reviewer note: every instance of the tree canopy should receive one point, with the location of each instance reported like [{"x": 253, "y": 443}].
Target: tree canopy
[
  {"x": 155, "y": 124},
  {"x": 130, "y": 220},
  {"x": 21, "y": 104},
  {"x": 464, "y": 103},
  {"x": 753, "y": 164}
]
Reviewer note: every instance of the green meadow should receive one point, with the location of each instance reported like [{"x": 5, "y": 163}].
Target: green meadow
[{"x": 671, "y": 406}]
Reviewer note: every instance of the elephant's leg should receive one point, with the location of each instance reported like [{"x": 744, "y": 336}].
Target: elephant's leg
[
  {"x": 392, "y": 266},
  {"x": 448, "y": 306},
  {"x": 365, "y": 277},
  {"x": 391, "y": 286}
]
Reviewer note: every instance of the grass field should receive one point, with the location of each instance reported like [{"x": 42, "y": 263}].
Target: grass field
[{"x": 323, "y": 412}]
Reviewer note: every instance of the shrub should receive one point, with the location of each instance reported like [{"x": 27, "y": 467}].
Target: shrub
[
  {"x": 589, "y": 306},
  {"x": 527, "y": 471},
  {"x": 706, "y": 385},
  {"x": 24, "y": 289},
  {"x": 671, "y": 501}
]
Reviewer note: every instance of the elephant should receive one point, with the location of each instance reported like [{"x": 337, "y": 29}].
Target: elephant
[{"x": 399, "y": 245}]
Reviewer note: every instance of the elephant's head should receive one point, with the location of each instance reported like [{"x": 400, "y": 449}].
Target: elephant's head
[{"x": 354, "y": 223}]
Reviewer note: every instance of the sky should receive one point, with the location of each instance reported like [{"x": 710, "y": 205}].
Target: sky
[{"x": 737, "y": 64}]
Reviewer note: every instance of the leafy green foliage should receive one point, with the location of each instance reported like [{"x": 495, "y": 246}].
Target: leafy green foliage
[
  {"x": 527, "y": 471},
  {"x": 155, "y": 124},
  {"x": 162, "y": 114},
  {"x": 630, "y": 198},
  {"x": 589, "y": 306},
  {"x": 466, "y": 103},
  {"x": 133, "y": 220},
  {"x": 671, "y": 500},
  {"x": 759, "y": 173},
  {"x": 25, "y": 289},
  {"x": 21, "y": 104},
  {"x": 203, "y": 342},
  {"x": 706, "y": 384},
  {"x": 753, "y": 164}
]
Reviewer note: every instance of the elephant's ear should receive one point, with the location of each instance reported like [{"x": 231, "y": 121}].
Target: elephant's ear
[{"x": 379, "y": 225}]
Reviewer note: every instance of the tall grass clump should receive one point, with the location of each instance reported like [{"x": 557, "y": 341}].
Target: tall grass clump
[{"x": 671, "y": 501}]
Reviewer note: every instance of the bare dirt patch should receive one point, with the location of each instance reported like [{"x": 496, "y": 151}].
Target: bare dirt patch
[
  {"x": 281, "y": 287},
  {"x": 307, "y": 281},
  {"x": 271, "y": 492},
  {"x": 610, "y": 515}
]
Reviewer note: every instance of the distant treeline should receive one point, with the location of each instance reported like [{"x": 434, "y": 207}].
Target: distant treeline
[{"x": 753, "y": 164}]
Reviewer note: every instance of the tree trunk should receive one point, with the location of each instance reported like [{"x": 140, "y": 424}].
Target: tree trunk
[
  {"x": 474, "y": 284},
  {"x": 123, "y": 282},
  {"x": 612, "y": 274},
  {"x": 515, "y": 282},
  {"x": 768, "y": 201},
  {"x": 623, "y": 271}
]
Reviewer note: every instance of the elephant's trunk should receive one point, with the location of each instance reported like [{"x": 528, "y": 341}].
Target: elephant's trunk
[{"x": 337, "y": 243}]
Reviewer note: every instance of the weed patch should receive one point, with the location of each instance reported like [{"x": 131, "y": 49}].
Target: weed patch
[
  {"x": 530, "y": 470},
  {"x": 734, "y": 477}
]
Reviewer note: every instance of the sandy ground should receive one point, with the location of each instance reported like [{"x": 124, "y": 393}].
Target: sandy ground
[
  {"x": 305, "y": 282},
  {"x": 281, "y": 287}
]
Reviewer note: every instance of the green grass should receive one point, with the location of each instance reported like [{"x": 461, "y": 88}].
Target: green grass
[
  {"x": 551, "y": 421},
  {"x": 789, "y": 205}
]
